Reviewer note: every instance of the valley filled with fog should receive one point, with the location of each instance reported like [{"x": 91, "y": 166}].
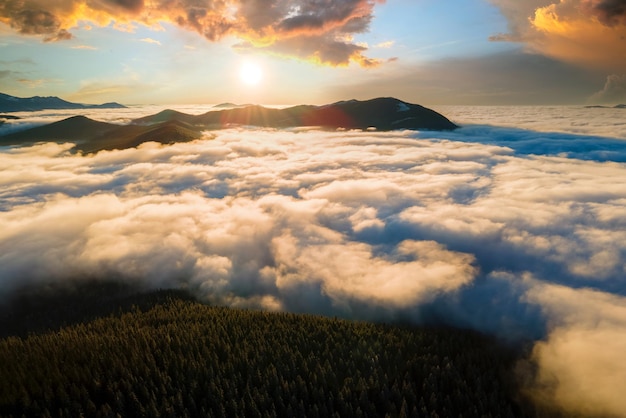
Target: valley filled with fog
[{"x": 513, "y": 225}]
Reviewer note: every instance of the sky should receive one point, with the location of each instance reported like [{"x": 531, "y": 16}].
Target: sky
[
  {"x": 512, "y": 224},
  {"x": 472, "y": 52}
]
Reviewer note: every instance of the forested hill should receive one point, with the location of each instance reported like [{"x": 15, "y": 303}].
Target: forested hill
[{"x": 176, "y": 357}]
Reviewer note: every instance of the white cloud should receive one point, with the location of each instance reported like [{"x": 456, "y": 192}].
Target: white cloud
[
  {"x": 150, "y": 41},
  {"x": 386, "y": 44},
  {"x": 497, "y": 229},
  {"x": 580, "y": 361}
]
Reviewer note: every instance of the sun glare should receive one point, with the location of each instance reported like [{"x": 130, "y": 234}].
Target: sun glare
[{"x": 250, "y": 73}]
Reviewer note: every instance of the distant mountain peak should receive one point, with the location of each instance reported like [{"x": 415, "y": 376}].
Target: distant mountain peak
[
  {"x": 169, "y": 126},
  {"x": 382, "y": 113},
  {"x": 229, "y": 105},
  {"x": 23, "y": 104}
]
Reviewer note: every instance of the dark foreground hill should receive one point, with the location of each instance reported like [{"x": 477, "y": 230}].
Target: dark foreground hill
[
  {"x": 172, "y": 356},
  {"x": 24, "y": 104},
  {"x": 170, "y": 126},
  {"x": 92, "y": 136},
  {"x": 73, "y": 129},
  {"x": 130, "y": 136}
]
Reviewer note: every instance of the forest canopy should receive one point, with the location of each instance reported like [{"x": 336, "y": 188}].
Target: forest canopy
[{"x": 165, "y": 354}]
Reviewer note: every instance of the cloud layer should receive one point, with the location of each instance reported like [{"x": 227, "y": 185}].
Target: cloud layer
[
  {"x": 502, "y": 230},
  {"x": 315, "y": 30}
]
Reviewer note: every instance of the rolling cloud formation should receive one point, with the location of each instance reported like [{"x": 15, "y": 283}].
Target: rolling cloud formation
[
  {"x": 315, "y": 30},
  {"x": 502, "y": 230},
  {"x": 585, "y": 32}
]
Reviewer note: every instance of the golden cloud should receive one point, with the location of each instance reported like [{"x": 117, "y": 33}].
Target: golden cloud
[
  {"x": 313, "y": 27},
  {"x": 590, "y": 38},
  {"x": 590, "y": 326},
  {"x": 584, "y": 32}
]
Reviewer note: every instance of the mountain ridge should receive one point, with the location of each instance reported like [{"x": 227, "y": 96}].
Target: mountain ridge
[
  {"x": 617, "y": 106},
  {"x": 382, "y": 113},
  {"x": 170, "y": 126},
  {"x": 10, "y": 103},
  {"x": 75, "y": 128}
]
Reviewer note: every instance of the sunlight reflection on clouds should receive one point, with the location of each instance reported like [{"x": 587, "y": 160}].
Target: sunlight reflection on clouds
[{"x": 355, "y": 224}]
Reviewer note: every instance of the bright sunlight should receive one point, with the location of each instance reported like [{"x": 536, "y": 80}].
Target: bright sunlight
[{"x": 250, "y": 73}]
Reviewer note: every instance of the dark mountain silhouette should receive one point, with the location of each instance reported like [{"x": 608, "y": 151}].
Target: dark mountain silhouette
[
  {"x": 170, "y": 126},
  {"x": 100, "y": 349},
  {"x": 93, "y": 136},
  {"x": 381, "y": 113},
  {"x": 228, "y": 105},
  {"x": 619, "y": 106},
  {"x": 4, "y": 118},
  {"x": 130, "y": 136},
  {"x": 164, "y": 116},
  {"x": 7, "y": 117},
  {"x": 19, "y": 104},
  {"x": 73, "y": 129}
]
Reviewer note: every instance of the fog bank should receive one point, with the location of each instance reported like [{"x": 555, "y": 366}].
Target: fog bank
[{"x": 525, "y": 240}]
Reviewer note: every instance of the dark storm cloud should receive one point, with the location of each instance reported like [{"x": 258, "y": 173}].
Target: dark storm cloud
[
  {"x": 35, "y": 22},
  {"x": 315, "y": 16},
  {"x": 611, "y": 12},
  {"x": 307, "y": 23},
  {"x": 130, "y": 5}
]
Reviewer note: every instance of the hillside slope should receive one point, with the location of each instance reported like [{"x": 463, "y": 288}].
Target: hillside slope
[
  {"x": 181, "y": 358},
  {"x": 93, "y": 136},
  {"x": 73, "y": 129},
  {"x": 130, "y": 136}
]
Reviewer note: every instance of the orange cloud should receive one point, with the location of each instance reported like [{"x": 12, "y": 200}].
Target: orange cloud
[
  {"x": 317, "y": 49},
  {"x": 270, "y": 24},
  {"x": 586, "y": 32},
  {"x": 578, "y": 31}
]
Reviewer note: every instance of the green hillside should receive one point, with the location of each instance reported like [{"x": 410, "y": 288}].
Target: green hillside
[{"x": 176, "y": 357}]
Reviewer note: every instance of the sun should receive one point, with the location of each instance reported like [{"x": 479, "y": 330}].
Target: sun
[{"x": 250, "y": 73}]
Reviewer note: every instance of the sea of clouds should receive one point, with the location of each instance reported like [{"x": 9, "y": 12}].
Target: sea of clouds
[{"x": 518, "y": 231}]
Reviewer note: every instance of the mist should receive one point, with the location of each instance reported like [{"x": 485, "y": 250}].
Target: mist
[{"x": 508, "y": 231}]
